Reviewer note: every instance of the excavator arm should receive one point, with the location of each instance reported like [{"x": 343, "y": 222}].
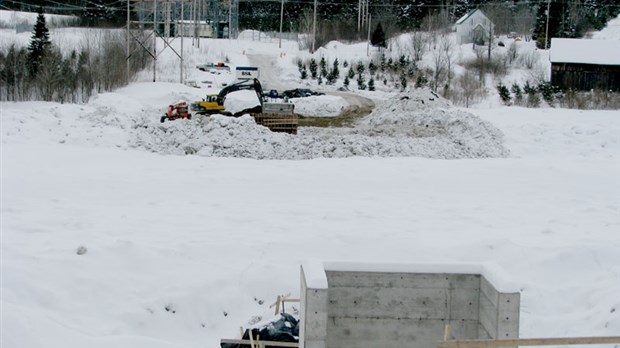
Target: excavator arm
[
  {"x": 244, "y": 85},
  {"x": 215, "y": 103}
]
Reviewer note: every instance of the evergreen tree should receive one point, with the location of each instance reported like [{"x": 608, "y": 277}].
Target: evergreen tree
[
  {"x": 304, "y": 73},
  {"x": 383, "y": 62},
  {"x": 346, "y": 81},
  {"x": 516, "y": 90},
  {"x": 547, "y": 92},
  {"x": 372, "y": 68},
  {"x": 345, "y": 64},
  {"x": 361, "y": 82},
  {"x": 371, "y": 84},
  {"x": 334, "y": 74},
  {"x": 335, "y": 69},
  {"x": 378, "y": 37},
  {"x": 504, "y": 93},
  {"x": 403, "y": 81},
  {"x": 351, "y": 73},
  {"x": 39, "y": 43},
  {"x": 323, "y": 65},
  {"x": 360, "y": 68},
  {"x": 300, "y": 65},
  {"x": 313, "y": 68}
]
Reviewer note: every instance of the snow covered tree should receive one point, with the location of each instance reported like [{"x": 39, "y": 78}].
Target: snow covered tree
[
  {"x": 371, "y": 84},
  {"x": 313, "y": 68},
  {"x": 351, "y": 73},
  {"x": 360, "y": 68},
  {"x": 516, "y": 90},
  {"x": 372, "y": 68},
  {"x": 346, "y": 81},
  {"x": 323, "y": 65},
  {"x": 304, "y": 73},
  {"x": 361, "y": 82},
  {"x": 334, "y": 74},
  {"x": 39, "y": 43},
  {"x": 504, "y": 93}
]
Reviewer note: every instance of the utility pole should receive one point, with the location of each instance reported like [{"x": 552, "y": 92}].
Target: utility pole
[
  {"x": 128, "y": 28},
  {"x": 281, "y": 19},
  {"x": 198, "y": 16},
  {"x": 314, "y": 27},
  {"x": 182, "y": 31},
  {"x": 359, "y": 15},
  {"x": 368, "y": 45},
  {"x": 547, "y": 28},
  {"x": 154, "y": 40}
]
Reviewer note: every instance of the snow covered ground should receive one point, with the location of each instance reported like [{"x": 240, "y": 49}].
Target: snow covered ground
[{"x": 181, "y": 250}]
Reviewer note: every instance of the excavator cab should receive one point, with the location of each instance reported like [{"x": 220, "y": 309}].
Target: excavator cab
[
  {"x": 176, "y": 111},
  {"x": 211, "y": 104}
]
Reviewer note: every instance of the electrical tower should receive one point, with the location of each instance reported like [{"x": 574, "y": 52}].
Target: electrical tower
[{"x": 170, "y": 20}]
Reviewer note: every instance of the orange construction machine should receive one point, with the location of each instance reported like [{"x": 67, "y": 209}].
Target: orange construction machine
[{"x": 176, "y": 111}]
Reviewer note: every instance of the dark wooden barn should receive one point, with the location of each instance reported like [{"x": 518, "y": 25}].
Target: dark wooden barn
[{"x": 581, "y": 64}]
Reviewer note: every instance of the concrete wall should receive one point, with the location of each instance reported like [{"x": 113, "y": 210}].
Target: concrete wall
[{"x": 397, "y": 309}]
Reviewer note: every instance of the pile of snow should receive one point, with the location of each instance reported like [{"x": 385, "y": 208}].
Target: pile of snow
[
  {"x": 416, "y": 123},
  {"x": 319, "y": 106}
]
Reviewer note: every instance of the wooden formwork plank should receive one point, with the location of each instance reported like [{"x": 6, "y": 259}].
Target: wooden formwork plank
[
  {"x": 528, "y": 342},
  {"x": 261, "y": 343}
]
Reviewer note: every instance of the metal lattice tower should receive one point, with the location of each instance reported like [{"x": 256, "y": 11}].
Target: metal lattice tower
[{"x": 168, "y": 20}]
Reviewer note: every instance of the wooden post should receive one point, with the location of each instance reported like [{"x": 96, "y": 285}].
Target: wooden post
[{"x": 528, "y": 342}]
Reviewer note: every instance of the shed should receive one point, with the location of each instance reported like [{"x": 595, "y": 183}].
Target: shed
[
  {"x": 473, "y": 27},
  {"x": 582, "y": 64}
]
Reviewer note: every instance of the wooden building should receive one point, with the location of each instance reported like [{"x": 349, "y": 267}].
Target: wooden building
[{"x": 581, "y": 64}]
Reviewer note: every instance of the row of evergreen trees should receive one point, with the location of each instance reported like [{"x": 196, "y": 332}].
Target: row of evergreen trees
[
  {"x": 41, "y": 72},
  {"x": 396, "y": 73}
]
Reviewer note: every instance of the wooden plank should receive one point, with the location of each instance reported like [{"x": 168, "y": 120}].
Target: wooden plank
[
  {"x": 262, "y": 343},
  {"x": 528, "y": 342}
]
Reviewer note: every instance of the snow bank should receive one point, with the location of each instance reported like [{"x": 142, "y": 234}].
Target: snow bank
[
  {"x": 319, "y": 106},
  {"x": 417, "y": 123}
]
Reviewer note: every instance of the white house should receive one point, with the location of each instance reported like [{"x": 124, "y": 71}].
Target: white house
[{"x": 474, "y": 27}]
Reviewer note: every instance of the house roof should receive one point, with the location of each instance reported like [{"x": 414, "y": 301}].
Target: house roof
[
  {"x": 583, "y": 51},
  {"x": 469, "y": 14}
]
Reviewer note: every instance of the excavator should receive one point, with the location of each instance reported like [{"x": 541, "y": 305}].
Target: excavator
[
  {"x": 278, "y": 117},
  {"x": 176, "y": 111},
  {"x": 214, "y": 103}
]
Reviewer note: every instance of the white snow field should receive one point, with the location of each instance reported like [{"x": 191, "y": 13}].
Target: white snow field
[{"x": 181, "y": 250}]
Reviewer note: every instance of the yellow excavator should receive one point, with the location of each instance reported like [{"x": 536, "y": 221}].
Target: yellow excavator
[
  {"x": 214, "y": 103},
  {"x": 278, "y": 117}
]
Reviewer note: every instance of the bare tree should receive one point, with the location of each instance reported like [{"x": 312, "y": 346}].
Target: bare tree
[
  {"x": 305, "y": 27},
  {"x": 418, "y": 45},
  {"x": 470, "y": 88},
  {"x": 447, "y": 47},
  {"x": 439, "y": 68}
]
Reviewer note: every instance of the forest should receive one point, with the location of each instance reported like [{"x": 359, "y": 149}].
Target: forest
[{"x": 338, "y": 19}]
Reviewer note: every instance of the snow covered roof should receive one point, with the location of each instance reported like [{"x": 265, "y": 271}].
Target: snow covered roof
[
  {"x": 600, "y": 52},
  {"x": 469, "y": 14}
]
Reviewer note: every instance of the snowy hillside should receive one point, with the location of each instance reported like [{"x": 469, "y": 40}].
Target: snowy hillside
[{"x": 181, "y": 250}]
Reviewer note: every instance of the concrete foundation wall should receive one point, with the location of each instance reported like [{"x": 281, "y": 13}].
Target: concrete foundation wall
[{"x": 395, "y": 309}]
